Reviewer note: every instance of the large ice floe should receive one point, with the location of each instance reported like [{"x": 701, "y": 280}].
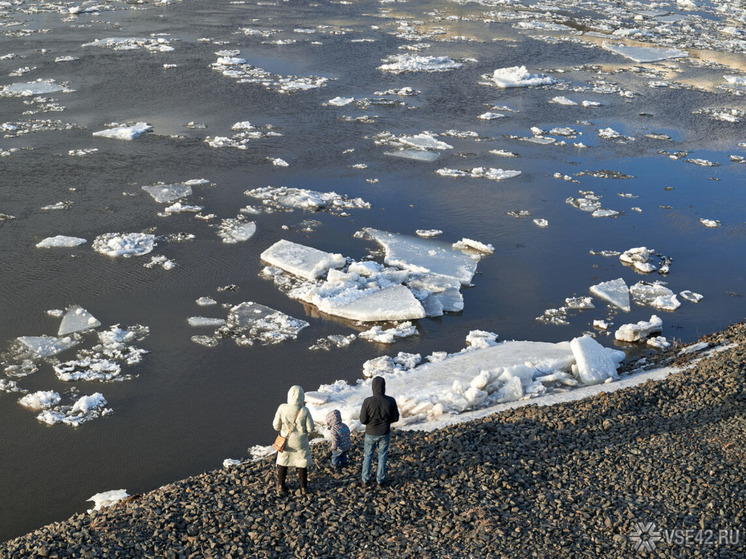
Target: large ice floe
[
  {"x": 478, "y": 377},
  {"x": 125, "y": 131},
  {"x": 418, "y": 278},
  {"x": 398, "y": 63},
  {"x": 125, "y": 245},
  {"x": 283, "y": 198}
]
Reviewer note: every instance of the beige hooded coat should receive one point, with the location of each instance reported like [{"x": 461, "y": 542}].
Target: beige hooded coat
[{"x": 297, "y": 453}]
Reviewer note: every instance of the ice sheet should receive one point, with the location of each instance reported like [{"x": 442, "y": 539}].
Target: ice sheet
[
  {"x": 515, "y": 76},
  {"x": 61, "y": 241},
  {"x": 77, "y": 319},
  {"x": 303, "y": 261},
  {"x": 645, "y": 54},
  {"x": 614, "y": 292}
]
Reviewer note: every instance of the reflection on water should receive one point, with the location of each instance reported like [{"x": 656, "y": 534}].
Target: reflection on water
[{"x": 189, "y": 406}]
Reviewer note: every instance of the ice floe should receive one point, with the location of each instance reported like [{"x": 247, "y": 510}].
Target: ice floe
[
  {"x": 77, "y": 319},
  {"x": 125, "y": 245},
  {"x": 480, "y": 173},
  {"x": 615, "y": 292},
  {"x": 60, "y": 241},
  {"x": 84, "y": 409},
  {"x": 515, "y": 76},
  {"x": 287, "y": 198},
  {"x": 645, "y": 54},
  {"x": 125, "y": 131},
  {"x": 300, "y": 260},
  {"x": 28, "y": 89},
  {"x": 398, "y": 63},
  {"x": 152, "y": 44}
]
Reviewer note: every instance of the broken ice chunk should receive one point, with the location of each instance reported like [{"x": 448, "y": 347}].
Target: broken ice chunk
[
  {"x": 614, "y": 292},
  {"x": 60, "y": 241},
  {"x": 46, "y": 346},
  {"x": 108, "y": 498},
  {"x": 639, "y": 331},
  {"x": 249, "y": 322},
  {"x": 398, "y": 63},
  {"x": 77, "y": 319},
  {"x": 655, "y": 294},
  {"x": 645, "y": 54},
  {"x": 593, "y": 362},
  {"x": 691, "y": 296},
  {"x": 390, "y": 335},
  {"x": 234, "y": 230},
  {"x": 425, "y": 255},
  {"x": 300, "y": 260},
  {"x": 41, "y": 400},
  {"x": 639, "y": 259},
  {"x": 392, "y": 303},
  {"x": 125, "y": 132},
  {"x": 124, "y": 244},
  {"x": 167, "y": 193},
  {"x": 515, "y": 76}
]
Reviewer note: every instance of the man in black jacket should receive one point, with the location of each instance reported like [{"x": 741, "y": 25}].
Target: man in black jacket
[{"x": 377, "y": 414}]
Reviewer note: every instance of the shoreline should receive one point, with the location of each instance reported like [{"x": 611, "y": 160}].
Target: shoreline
[{"x": 576, "y": 477}]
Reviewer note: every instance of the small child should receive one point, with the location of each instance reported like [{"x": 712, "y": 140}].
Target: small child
[{"x": 340, "y": 438}]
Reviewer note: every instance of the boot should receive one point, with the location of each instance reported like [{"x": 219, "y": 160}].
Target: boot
[
  {"x": 282, "y": 473},
  {"x": 303, "y": 478}
]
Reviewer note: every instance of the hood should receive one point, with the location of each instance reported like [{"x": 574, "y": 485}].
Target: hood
[
  {"x": 333, "y": 418},
  {"x": 379, "y": 386},
  {"x": 296, "y": 396}
]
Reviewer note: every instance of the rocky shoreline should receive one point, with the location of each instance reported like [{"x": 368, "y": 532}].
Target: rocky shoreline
[{"x": 577, "y": 479}]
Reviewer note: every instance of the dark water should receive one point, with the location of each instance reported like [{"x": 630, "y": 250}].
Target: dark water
[{"x": 190, "y": 407}]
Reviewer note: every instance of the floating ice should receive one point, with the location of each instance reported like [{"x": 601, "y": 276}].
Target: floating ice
[
  {"x": 429, "y": 233},
  {"x": 41, "y": 400},
  {"x": 124, "y": 244},
  {"x": 108, "y": 498},
  {"x": 251, "y": 322},
  {"x": 125, "y": 132},
  {"x": 472, "y": 245},
  {"x": 332, "y": 341},
  {"x": 655, "y": 294},
  {"x": 236, "y": 230},
  {"x": 614, "y": 292},
  {"x": 639, "y": 331},
  {"x": 515, "y": 76},
  {"x": 639, "y": 259},
  {"x": 425, "y": 255},
  {"x": 205, "y": 321},
  {"x": 77, "y": 319},
  {"x": 389, "y": 303},
  {"x": 398, "y": 63},
  {"x": 340, "y": 101},
  {"x": 47, "y": 346},
  {"x": 390, "y": 335},
  {"x": 167, "y": 193},
  {"x": 480, "y": 173},
  {"x": 60, "y": 241},
  {"x": 645, "y": 54},
  {"x": 161, "y": 261},
  {"x": 691, "y": 296},
  {"x": 86, "y": 408},
  {"x": 303, "y": 261},
  {"x": 89, "y": 369},
  {"x": 301, "y": 198},
  {"x": 540, "y": 222},
  {"x": 27, "y": 89},
  {"x": 711, "y": 223},
  {"x": 415, "y": 154},
  {"x": 157, "y": 44}
]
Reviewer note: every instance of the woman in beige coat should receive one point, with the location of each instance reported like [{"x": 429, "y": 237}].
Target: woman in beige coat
[{"x": 297, "y": 453}]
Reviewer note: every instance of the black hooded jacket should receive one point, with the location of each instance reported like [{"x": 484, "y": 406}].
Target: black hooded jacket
[{"x": 379, "y": 411}]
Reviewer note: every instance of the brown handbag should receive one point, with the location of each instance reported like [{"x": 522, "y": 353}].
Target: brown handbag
[{"x": 280, "y": 441}]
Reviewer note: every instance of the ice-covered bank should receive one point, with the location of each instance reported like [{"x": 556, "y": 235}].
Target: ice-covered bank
[{"x": 477, "y": 377}]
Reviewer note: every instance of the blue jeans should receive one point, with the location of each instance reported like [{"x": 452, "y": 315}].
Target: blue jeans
[
  {"x": 381, "y": 442},
  {"x": 339, "y": 458}
]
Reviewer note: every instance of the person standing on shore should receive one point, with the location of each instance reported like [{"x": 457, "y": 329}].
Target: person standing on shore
[
  {"x": 340, "y": 439},
  {"x": 294, "y": 421},
  {"x": 377, "y": 414}
]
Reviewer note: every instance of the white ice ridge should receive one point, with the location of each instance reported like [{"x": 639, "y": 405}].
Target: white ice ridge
[
  {"x": 515, "y": 76},
  {"x": 300, "y": 260},
  {"x": 301, "y": 198},
  {"x": 108, "y": 498},
  {"x": 645, "y": 54},
  {"x": 125, "y": 131},
  {"x": 475, "y": 379}
]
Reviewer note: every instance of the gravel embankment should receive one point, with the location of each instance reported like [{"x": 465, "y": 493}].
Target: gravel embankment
[{"x": 570, "y": 480}]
